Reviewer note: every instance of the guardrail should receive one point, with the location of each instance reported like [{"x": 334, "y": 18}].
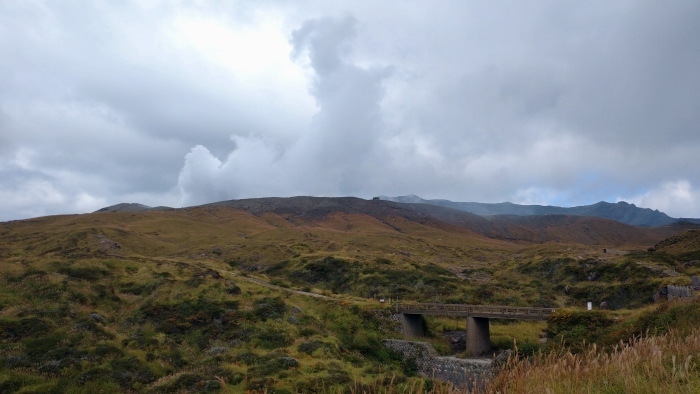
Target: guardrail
[{"x": 493, "y": 311}]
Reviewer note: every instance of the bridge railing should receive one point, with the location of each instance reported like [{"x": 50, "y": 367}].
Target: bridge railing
[{"x": 495, "y": 311}]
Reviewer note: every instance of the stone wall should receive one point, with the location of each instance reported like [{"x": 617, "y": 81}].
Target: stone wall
[{"x": 462, "y": 373}]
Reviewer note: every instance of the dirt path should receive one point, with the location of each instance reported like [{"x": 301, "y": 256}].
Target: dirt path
[{"x": 271, "y": 286}]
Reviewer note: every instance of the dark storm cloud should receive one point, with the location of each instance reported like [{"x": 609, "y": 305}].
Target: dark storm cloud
[{"x": 637, "y": 87}]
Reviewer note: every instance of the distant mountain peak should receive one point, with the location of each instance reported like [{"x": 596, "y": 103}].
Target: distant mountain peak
[{"x": 620, "y": 211}]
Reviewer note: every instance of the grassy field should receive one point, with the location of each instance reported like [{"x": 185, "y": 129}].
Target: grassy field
[{"x": 164, "y": 302}]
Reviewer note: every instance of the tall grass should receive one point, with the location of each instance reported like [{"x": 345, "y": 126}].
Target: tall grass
[
  {"x": 656, "y": 364},
  {"x": 666, "y": 363}
]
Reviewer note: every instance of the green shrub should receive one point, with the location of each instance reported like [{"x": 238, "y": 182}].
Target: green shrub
[
  {"x": 23, "y": 328},
  {"x": 38, "y": 348},
  {"x": 271, "y": 338},
  {"x": 309, "y": 347},
  {"x": 128, "y": 371},
  {"x": 269, "y": 308},
  {"x": 191, "y": 383},
  {"x": 93, "y": 374},
  {"x": 139, "y": 289},
  {"x": 574, "y": 327},
  {"x": 336, "y": 274},
  {"x": 191, "y": 314},
  {"x": 86, "y": 273},
  {"x": 270, "y": 365},
  {"x": 681, "y": 316},
  {"x": 409, "y": 367}
]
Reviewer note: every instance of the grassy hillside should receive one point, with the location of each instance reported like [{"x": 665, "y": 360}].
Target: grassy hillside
[
  {"x": 176, "y": 301},
  {"x": 163, "y": 325}
]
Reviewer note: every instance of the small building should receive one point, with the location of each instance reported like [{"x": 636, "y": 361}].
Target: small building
[{"x": 671, "y": 292}]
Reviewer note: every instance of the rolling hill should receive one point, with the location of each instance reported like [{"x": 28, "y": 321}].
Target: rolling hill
[
  {"x": 219, "y": 297},
  {"x": 300, "y": 211}
]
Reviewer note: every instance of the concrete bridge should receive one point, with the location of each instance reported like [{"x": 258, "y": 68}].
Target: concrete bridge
[{"x": 478, "y": 334}]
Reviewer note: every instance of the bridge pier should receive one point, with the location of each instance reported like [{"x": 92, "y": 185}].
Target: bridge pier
[
  {"x": 478, "y": 333},
  {"x": 412, "y": 325},
  {"x": 478, "y": 336}
]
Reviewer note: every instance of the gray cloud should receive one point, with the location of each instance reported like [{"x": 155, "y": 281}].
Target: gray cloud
[
  {"x": 161, "y": 104},
  {"x": 337, "y": 153}
]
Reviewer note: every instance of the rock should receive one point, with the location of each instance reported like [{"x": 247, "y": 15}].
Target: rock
[
  {"x": 458, "y": 340},
  {"x": 217, "y": 350},
  {"x": 209, "y": 272},
  {"x": 463, "y": 373},
  {"x": 293, "y": 320},
  {"x": 604, "y": 305},
  {"x": 97, "y": 317},
  {"x": 233, "y": 289},
  {"x": 501, "y": 360}
]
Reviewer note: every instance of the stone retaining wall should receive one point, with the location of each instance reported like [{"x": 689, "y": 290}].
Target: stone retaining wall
[{"x": 463, "y": 373}]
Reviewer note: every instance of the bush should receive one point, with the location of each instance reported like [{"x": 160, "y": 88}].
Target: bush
[
  {"x": 127, "y": 371},
  {"x": 191, "y": 383},
  {"x": 682, "y": 316},
  {"x": 139, "y": 289},
  {"x": 188, "y": 315},
  {"x": 269, "y": 364},
  {"x": 574, "y": 327},
  {"x": 309, "y": 347},
  {"x": 86, "y": 273},
  {"x": 271, "y": 338},
  {"x": 233, "y": 289},
  {"x": 269, "y": 308},
  {"x": 107, "y": 350},
  {"x": 338, "y": 274},
  {"x": 23, "y": 328}
]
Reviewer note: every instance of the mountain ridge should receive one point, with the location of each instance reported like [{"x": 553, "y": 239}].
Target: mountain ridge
[
  {"x": 621, "y": 211},
  {"x": 304, "y": 211}
]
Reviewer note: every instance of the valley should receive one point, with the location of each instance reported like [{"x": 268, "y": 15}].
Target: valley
[{"x": 283, "y": 295}]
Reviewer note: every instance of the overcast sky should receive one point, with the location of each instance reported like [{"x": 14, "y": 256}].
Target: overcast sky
[{"x": 182, "y": 103}]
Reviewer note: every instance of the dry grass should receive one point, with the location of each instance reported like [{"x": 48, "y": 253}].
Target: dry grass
[{"x": 656, "y": 364}]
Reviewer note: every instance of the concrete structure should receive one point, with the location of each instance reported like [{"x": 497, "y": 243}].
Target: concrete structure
[
  {"x": 413, "y": 325},
  {"x": 466, "y": 374},
  {"x": 478, "y": 333},
  {"x": 671, "y": 292}
]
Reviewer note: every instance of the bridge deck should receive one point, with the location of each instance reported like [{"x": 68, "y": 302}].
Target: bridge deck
[{"x": 489, "y": 311}]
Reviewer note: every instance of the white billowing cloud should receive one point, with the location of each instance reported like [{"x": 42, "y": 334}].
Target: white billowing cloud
[
  {"x": 252, "y": 168},
  {"x": 339, "y": 149},
  {"x": 676, "y": 198}
]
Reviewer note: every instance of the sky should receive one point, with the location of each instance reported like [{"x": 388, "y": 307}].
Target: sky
[{"x": 181, "y": 103}]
